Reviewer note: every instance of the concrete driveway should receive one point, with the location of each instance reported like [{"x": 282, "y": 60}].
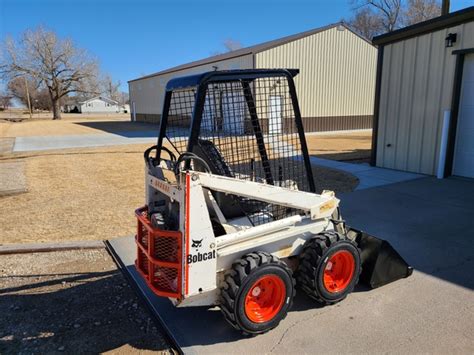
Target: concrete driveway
[
  {"x": 35, "y": 143},
  {"x": 430, "y": 222}
]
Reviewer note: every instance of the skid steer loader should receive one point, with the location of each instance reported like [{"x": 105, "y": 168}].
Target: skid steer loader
[{"x": 232, "y": 217}]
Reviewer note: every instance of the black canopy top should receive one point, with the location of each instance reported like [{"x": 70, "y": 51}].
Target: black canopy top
[{"x": 227, "y": 75}]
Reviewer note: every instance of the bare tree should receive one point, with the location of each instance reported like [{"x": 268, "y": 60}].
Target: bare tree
[
  {"x": 388, "y": 11},
  {"x": 367, "y": 23},
  {"x": 17, "y": 88},
  {"x": 232, "y": 44},
  {"x": 5, "y": 100},
  {"x": 55, "y": 64},
  {"x": 420, "y": 10},
  {"x": 375, "y": 17},
  {"x": 110, "y": 88},
  {"x": 42, "y": 100},
  {"x": 124, "y": 98},
  {"x": 39, "y": 96}
]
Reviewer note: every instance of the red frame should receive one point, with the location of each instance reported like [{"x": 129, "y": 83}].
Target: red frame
[{"x": 146, "y": 255}]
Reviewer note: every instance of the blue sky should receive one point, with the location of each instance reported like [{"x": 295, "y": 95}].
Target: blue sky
[{"x": 137, "y": 37}]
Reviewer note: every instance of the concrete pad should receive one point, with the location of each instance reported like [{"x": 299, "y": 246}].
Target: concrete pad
[
  {"x": 368, "y": 176},
  {"x": 34, "y": 143},
  {"x": 387, "y": 174},
  {"x": 326, "y": 162},
  {"x": 368, "y": 182},
  {"x": 12, "y": 178},
  {"x": 348, "y": 167},
  {"x": 428, "y": 221}
]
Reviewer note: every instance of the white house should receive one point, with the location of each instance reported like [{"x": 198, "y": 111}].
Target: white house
[{"x": 100, "y": 104}]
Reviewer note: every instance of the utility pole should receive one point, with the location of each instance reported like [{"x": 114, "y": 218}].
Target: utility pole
[
  {"x": 28, "y": 97},
  {"x": 445, "y": 7}
]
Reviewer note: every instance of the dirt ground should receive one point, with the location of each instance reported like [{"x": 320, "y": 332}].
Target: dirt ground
[
  {"x": 354, "y": 147},
  {"x": 71, "y": 302}
]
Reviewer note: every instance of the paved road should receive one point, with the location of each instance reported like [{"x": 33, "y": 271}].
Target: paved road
[{"x": 430, "y": 222}]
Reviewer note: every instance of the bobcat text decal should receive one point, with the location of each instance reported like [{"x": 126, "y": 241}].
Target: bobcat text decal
[{"x": 196, "y": 258}]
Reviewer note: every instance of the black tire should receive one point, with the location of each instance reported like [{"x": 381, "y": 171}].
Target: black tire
[
  {"x": 313, "y": 261},
  {"x": 242, "y": 278}
]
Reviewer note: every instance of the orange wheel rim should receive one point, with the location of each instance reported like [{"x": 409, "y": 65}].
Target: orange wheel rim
[
  {"x": 265, "y": 299},
  {"x": 339, "y": 271}
]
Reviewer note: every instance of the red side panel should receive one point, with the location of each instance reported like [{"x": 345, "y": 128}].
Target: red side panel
[{"x": 159, "y": 257}]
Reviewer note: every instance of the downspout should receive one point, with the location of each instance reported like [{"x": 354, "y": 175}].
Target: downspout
[{"x": 375, "y": 122}]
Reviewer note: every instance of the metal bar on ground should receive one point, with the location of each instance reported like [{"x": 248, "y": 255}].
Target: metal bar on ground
[{"x": 49, "y": 247}]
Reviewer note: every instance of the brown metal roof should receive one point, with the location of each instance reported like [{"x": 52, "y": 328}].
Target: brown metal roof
[{"x": 250, "y": 50}]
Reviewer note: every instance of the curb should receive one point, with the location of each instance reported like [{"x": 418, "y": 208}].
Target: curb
[{"x": 49, "y": 247}]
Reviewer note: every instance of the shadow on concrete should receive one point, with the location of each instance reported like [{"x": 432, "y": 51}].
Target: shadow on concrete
[
  {"x": 201, "y": 321},
  {"x": 124, "y": 128},
  {"x": 428, "y": 221},
  {"x": 87, "y": 318}
]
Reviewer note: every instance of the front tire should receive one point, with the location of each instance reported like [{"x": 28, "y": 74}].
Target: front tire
[
  {"x": 329, "y": 267},
  {"x": 257, "y": 293}
]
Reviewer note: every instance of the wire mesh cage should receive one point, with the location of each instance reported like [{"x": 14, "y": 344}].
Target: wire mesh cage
[{"x": 245, "y": 128}]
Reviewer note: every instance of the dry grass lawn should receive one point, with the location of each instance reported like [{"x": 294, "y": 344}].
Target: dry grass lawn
[
  {"x": 69, "y": 125},
  {"x": 79, "y": 195},
  {"x": 91, "y": 194}
]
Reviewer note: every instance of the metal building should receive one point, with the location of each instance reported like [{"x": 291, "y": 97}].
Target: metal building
[
  {"x": 336, "y": 84},
  {"x": 424, "y": 105}
]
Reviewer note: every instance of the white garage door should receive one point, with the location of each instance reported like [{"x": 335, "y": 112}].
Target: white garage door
[{"x": 463, "y": 164}]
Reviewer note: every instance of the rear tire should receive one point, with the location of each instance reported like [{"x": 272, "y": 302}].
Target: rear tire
[
  {"x": 329, "y": 267},
  {"x": 257, "y": 293}
]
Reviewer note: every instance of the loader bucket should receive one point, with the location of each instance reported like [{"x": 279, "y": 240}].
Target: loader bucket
[{"x": 381, "y": 263}]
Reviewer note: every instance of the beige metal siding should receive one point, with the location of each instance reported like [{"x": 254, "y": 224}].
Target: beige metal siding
[
  {"x": 337, "y": 72},
  {"x": 416, "y": 88},
  {"x": 148, "y": 93}
]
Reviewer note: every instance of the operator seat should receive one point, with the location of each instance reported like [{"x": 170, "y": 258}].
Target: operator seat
[{"x": 231, "y": 206}]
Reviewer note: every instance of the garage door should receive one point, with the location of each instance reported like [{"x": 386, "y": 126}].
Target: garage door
[{"x": 463, "y": 164}]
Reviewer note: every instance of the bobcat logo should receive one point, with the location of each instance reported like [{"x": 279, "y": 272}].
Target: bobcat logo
[{"x": 196, "y": 243}]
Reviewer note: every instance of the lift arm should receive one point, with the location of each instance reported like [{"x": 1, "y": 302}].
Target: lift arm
[{"x": 317, "y": 206}]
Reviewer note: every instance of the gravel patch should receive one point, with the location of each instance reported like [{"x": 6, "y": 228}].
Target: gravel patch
[
  {"x": 71, "y": 302},
  {"x": 354, "y": 147}
]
